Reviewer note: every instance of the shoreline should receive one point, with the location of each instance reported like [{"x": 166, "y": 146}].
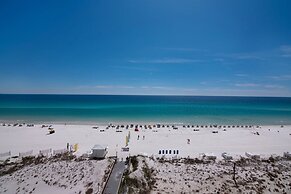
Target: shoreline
[{"x": 11, "y": 122}]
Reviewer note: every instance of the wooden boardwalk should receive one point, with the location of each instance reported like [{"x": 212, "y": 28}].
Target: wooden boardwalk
[{"x": 114, "y": 180}]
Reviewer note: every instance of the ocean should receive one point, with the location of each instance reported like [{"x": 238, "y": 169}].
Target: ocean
[{"x": 105, "y": 109}]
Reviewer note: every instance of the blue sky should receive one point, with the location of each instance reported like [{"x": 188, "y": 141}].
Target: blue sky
[{"x": 197, "y": 47}]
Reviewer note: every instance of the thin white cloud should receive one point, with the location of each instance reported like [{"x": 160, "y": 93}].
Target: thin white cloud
[
  {"x": 241, "y": 75},
  {"x": 189, "y": 89},
  {"x": 245, "y": 56},
  {"x": 173, "y": 90},
  {"x": 135, "y": 67},
  {"x": 266, "y": 86},
  {"x": 286, "y": 50},
  {"x": 166, "y": 61},
  {"x": 146, "y": 88},
  {"x": 219, "y": 60},
  {"x": 112, "y": 86},
  {"x": 162, "y": 87},
  {"x": 247, "y": 85},
  {"x": 126, "y": 87},
  {"x": 103, "y": 86},
  {"x": 280, "y": 77},
  {"x": 159, "y": 88},
  {"x": 245, "y": 92},
  {"x": 274, "y": 86},
  {"x": 241, "y": 56},
  {"x": 184, "y": 49}
]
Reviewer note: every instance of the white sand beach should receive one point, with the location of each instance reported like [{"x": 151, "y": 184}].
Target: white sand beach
[{"x": 189, "y": 141}]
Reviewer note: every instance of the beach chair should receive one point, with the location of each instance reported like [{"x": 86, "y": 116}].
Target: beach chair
[
  {"x": 252, "y": 156},
  {"x": 226, "y": 156},
  {"x": 287, "y": 155}
]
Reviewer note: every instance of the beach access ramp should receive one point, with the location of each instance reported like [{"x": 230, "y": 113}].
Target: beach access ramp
[{"x": 114, "y": 180}]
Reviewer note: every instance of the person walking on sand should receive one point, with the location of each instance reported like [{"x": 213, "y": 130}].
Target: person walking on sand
[
  {"x": 138, "y": 137},
  {"x": 143, "y": 137}
]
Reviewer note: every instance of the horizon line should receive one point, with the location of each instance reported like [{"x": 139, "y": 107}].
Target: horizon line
[{"x": 177, "y": 95}]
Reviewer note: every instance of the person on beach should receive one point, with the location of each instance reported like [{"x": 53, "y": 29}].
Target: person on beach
[
  {"x": 143, "y": 137},
  {"x": 138, "y": 137}
]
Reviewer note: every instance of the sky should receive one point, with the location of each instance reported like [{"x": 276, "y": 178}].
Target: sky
[{"x": 150, "y": 47}]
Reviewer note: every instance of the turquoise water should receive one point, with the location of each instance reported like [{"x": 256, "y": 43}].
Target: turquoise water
[{"x": 166, "y": 109}]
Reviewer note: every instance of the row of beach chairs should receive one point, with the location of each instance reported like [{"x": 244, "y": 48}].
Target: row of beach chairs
[
  {"x": 45, "y": 152},
  {"x": 168, "y": 152},
  {"x": 225, "y": 156}
]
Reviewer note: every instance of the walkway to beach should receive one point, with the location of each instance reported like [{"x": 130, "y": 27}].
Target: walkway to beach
[{"x": 114, "y": 181}]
